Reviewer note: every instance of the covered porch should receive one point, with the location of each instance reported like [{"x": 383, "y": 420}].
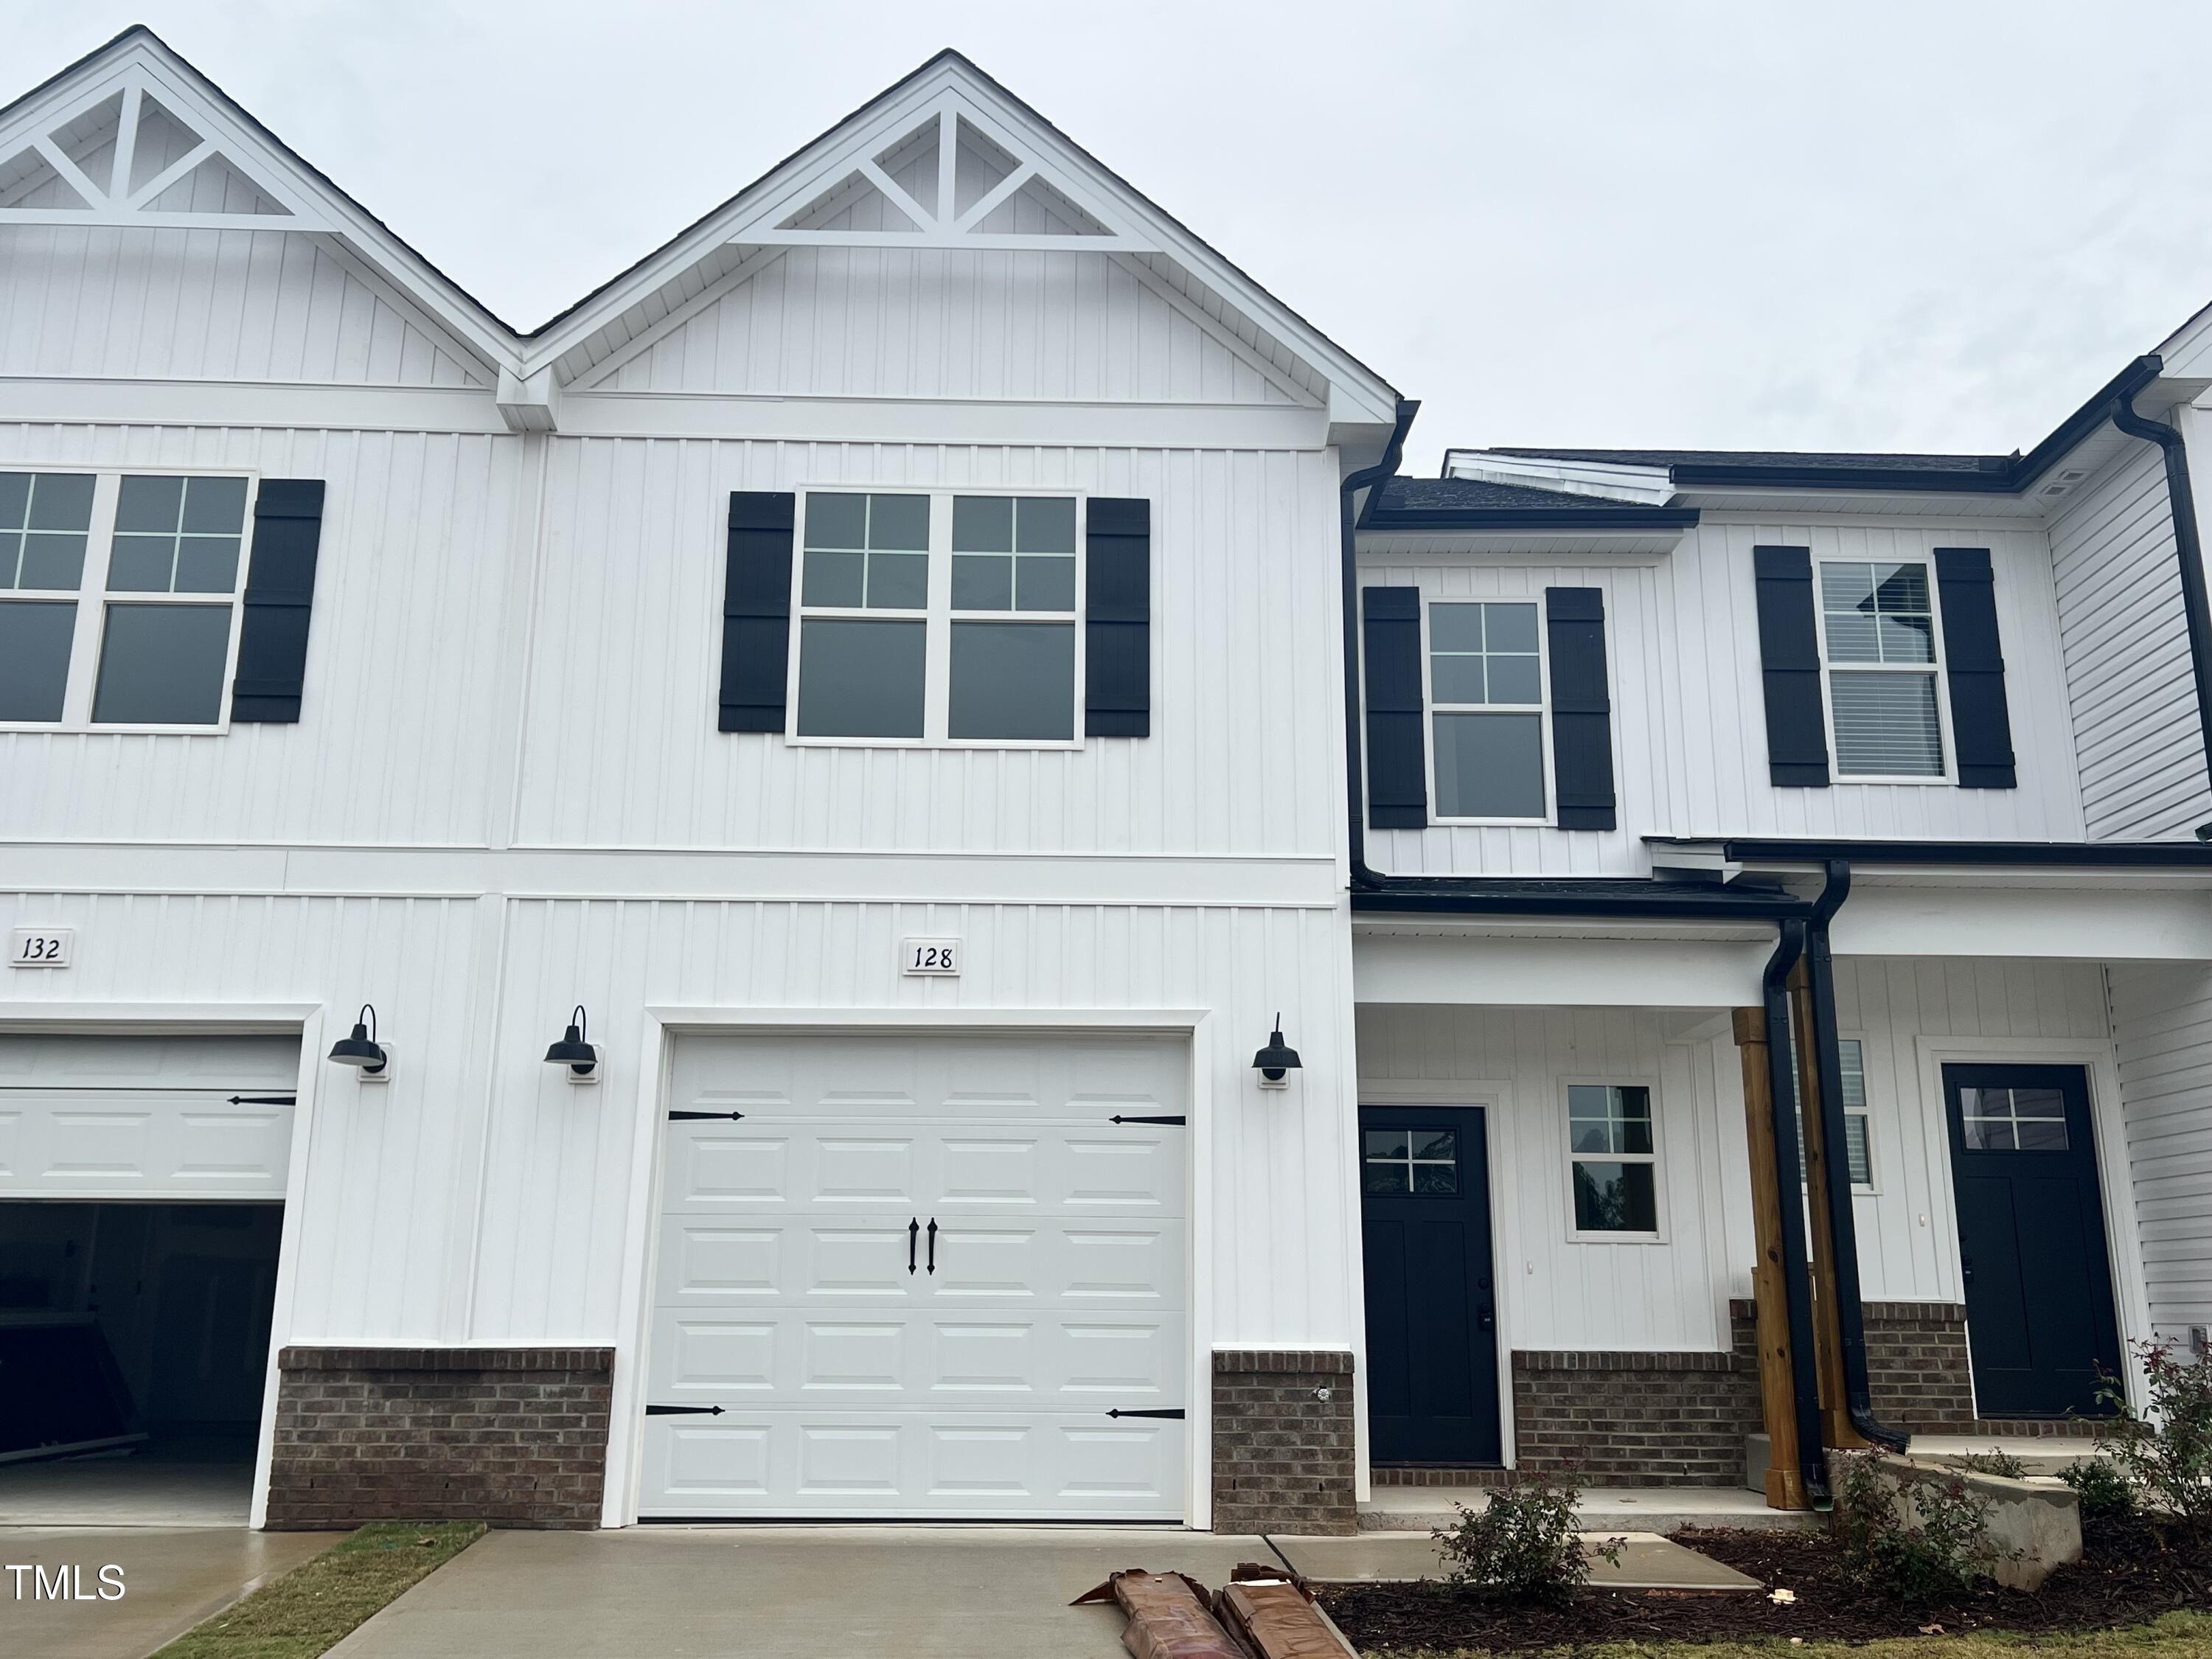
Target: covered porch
[{"x": 1613, "y": 1287}]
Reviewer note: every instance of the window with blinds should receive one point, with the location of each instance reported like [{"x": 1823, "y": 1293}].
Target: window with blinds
[{"x": 1878, "y": 647}]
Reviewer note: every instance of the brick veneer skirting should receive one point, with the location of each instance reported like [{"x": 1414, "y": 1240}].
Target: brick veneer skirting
[
  {"x": 517, "y": 1436},
  {"x": 1918, "y": 1376},
  {"x": 1284, "y": 1457},
  {"x": 1669, "y": 1419}
]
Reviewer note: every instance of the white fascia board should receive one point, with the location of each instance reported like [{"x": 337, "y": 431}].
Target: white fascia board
[
  {"x": 312, "y": 204},
  {"x": 2109, "y": 925},
  {"x": 1498, "y": 971},
  {"x": 1612, "y": 481}
]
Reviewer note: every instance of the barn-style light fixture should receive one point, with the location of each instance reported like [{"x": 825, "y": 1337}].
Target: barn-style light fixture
[
  {"x": 579, "y": 1057},
  {"x": 1275, "y": 1062},
  {"x": 361, "y": 1050}
]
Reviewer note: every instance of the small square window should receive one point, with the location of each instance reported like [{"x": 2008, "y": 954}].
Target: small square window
[
  {"x": 1012, "y": 680},
  {"x": 859, "y": 679},
  {"x": 1423, "y": 1162},
  {"x": 867, "y": 552},
  {"x": 162, "y": 665}
]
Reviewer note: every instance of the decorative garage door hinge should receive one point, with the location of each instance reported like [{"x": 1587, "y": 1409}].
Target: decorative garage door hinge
[
  {"x": 696, "y": 1117},
  {"x": 1148, "y": 1120},
  {"x": 265, "y": 1100},
  {"x": 682, "y": 1411},
  {"x": 1175, "y": 1412}
]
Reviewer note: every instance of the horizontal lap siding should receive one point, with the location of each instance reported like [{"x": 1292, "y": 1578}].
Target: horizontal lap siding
[
  {"x": 1246, "y": 718},
  {"x": 2129, "y": 680},
  {"x": 223, "y": 305},
  {"x": 2162, "y": 1018},
  {"x": 1689, "y": 716},
  {"x": 886, "y": 323},
  {"x": 397, "y": 738}
]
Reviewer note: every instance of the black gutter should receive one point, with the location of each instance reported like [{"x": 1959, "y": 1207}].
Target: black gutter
[
  {"x": 1993, "y": 475},
  {"x": 1530, "y": 518},
  {"x": 2181, "y": 506},
  {"x": 1355, "y": 769},
  {"x": 1797, "y": 1285},
  {"x": 1835, "y": 1169},
  {"x": 2007, "y": 855},
  {"x": 1597, "y": 897}
]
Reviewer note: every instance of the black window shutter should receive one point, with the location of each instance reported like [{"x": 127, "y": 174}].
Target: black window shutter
[
  {"x": 1789, "y": 665},
  {"x": 280, "y": 596},
  {"x": 1117, "y": 618},
  {"x": 1397, "y": 752},
  {"x": 757, "y": 610},
  {"x": 1581, "y": 710},
  {"x": 1981, "y": 722}
]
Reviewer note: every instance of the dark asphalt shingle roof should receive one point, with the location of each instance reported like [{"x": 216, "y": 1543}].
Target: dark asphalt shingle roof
[
  {"x": 1444, "y": 495},
  {"x": 1775, "y": 457}
]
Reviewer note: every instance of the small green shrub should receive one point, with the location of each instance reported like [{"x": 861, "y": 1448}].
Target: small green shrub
[
  {"x": 2164, "y": 1454},
  {"x": 1522, "y": 1545},
  {"x": 2106, "y": 1494},
  {"x": 1912, "y": 1535},
  {"x": 1991, "y": 1462}
]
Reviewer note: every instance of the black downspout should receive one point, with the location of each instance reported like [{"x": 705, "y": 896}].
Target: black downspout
[
  {"x": 2181, "y": 506},
  {"x": 1843, "y": 1221},
  {"x": 1355, "y": 772},
  {"x": 1797, "y": 1287}
]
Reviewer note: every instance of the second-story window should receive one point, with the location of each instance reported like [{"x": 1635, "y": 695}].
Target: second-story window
[
  {"x": 942, "y": 617},
  {"x": 1878, "y": 638},
  {"x": 118, "y": 599},
  {"x": 1486, "y": 697}
]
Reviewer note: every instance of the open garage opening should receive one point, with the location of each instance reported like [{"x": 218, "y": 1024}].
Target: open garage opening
[{"x": 141, "y": 1225}]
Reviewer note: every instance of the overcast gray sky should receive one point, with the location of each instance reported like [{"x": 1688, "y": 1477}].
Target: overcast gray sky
[{"x": 1856, "y": 225}]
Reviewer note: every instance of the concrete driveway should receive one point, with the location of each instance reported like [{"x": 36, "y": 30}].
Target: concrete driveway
[
  {"x": 173, "y": 1577},
  {"x": 784, "y": 1593}
]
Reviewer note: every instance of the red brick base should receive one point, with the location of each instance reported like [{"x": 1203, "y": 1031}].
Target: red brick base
[
  {"x": 1284, "y": 1453},
  {"x": 517, "y": 1436}
]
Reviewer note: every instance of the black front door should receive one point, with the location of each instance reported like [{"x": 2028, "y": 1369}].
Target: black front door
[
  {"x": 2039, "y": 1321},
  {"x": 1431, "y": 1309}
]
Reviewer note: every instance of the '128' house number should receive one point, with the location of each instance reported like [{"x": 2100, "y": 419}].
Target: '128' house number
[{"x": 930, "y": 956}]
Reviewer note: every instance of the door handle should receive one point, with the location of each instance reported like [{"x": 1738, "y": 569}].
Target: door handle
[
  {"x": 1967, "y": 1265},
  {"x": 933, "y": 1243},
  {"x": 1487, "y": 1319},
  {"x": 912, "y": 1228}
]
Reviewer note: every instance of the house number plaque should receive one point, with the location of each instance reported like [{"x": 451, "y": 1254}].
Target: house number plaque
[
  {"x": 930, "y": 956},
  {"x": 41, "y": 947}
]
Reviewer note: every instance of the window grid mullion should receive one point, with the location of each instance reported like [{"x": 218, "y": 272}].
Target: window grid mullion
[{"x": 92, "y": 601}]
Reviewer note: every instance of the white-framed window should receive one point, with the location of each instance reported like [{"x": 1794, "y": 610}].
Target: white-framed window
[
  {"x": 1487, "y": 711},
  {"x": 938, "y": 616},
  {"x": 1858, "y": 1142},
  {"x": 1882, "y": 665},
  {"x": 120, "y": 599},
  {"x": 1614, "y": 1158}
]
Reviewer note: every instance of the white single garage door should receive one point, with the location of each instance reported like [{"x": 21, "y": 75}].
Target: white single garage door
[
  {"x": 95, "y": 1118},
  {"x": 921, "y": 1277}
]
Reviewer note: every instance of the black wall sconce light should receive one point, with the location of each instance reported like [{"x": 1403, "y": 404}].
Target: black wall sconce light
[
  {"x": 578, "y": 1060},
  {"x": 1275, "y": 1062},
  {"x": 362, "y": 1051}
]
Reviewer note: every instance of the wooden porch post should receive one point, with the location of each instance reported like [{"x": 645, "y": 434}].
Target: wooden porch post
[
  {"x": 1828, "y": 1329},
  {"x": 1778, "y": 1389}
]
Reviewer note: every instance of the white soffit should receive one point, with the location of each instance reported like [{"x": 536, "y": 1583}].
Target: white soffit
[
  {"x": 134, "y": 138},
  {"x": 948, "y": 160}
]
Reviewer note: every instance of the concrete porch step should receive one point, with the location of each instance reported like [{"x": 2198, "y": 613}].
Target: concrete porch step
[
  {"x": 1603, "y": 1509},
  {"x": 1645, "y": 1561},
  {"x": 2040, "y": 1455}
]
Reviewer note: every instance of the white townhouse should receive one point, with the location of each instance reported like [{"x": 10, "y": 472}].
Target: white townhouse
[{"x": 889, "y": 873}]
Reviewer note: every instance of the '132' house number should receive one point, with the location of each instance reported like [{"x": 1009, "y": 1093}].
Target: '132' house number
[
  {"x": 41, "y": 947},
  {"x": 930, "y": 956}
]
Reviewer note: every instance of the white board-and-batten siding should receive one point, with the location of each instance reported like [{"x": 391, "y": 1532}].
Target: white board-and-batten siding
[
  {"x": 2129, "y": 684},
  {"x": 1689, "y": 717},
  {"x": 479, "y": 1197},
  {"x": 1562, "y": 1292},
  {"x": 232, "y": 305}
]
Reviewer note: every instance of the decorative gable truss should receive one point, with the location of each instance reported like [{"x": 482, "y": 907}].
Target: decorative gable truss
[{"x": 133, "y": 138}]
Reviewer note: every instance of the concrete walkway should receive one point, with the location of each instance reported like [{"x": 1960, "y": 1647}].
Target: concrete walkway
[
  {"x": 784, "y": 1593},
  {"x": 1603, "y": 1509},
  {"x": 172, "y": 1579},
  {"x": 1647, "y": 1561}
]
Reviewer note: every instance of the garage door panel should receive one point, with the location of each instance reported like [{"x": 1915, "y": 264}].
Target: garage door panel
[
  {"x": 910, "y": 1465},
  {"x": 848, "y": 1385}
]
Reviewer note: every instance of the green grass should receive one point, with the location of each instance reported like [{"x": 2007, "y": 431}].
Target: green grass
[
  {"x": 2176, "y": 1636},
  {"x": 311, "y": 1608}
]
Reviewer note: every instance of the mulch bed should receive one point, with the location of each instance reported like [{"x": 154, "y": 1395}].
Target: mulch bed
[{"x": 2131, "y": 1573}]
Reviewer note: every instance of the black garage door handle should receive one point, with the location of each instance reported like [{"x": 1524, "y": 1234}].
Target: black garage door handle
[{"x": 682, "y": 1411}]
